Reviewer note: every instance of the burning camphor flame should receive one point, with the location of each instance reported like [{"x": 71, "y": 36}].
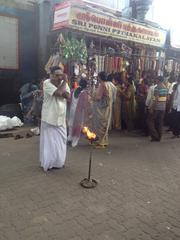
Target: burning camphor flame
[{"x": 90, "y": 135}]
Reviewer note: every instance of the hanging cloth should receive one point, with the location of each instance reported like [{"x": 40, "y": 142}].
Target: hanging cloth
[{"x": 106, "y": 63}]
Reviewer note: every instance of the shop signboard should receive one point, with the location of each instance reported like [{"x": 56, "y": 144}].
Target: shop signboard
[
  {"x": 61, "y": 15},
  {"x": 101, "y": 24}
]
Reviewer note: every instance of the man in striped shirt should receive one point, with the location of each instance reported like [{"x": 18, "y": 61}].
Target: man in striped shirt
[{"x": 157, "y": 110}]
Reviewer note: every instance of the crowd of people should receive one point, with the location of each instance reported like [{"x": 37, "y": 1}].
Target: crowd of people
[{"x": 117, "y": 102}]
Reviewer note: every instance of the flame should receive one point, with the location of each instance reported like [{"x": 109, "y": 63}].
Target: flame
[
  {"x": 85, "y": 129},
  {"x": 90, "y": 135}
]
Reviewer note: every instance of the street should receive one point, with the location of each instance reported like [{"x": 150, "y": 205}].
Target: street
[{"x": 137, "y": 196}]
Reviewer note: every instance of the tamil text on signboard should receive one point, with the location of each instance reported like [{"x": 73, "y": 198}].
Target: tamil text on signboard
[{"x": 97, "y": 23}]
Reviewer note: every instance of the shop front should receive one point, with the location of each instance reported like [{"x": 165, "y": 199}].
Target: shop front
[{"x": 87, "y": 40}]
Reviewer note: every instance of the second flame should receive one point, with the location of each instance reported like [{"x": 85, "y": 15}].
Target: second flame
[{"x": 90, "y": 135}]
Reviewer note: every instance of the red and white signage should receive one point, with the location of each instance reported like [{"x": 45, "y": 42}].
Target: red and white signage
[{"x": 61, "y": 15}]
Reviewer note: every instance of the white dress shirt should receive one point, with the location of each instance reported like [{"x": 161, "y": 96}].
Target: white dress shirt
[
  {"x": 150, "y": 95},
  {"x": 176, "y": 100},
  {"x": 171, "y": 88}
]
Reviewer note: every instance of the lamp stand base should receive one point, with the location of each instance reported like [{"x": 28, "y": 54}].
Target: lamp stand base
[{"x": 88, "y": 183}]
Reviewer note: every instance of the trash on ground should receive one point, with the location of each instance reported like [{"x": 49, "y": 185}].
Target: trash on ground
[{"x": 9, "y": 123}]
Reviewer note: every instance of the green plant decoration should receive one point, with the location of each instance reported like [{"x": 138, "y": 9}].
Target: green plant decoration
[{"x": 74, "y": 49}]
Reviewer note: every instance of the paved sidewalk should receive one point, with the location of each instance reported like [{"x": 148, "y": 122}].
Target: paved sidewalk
[{"x": 137, "y": 198}]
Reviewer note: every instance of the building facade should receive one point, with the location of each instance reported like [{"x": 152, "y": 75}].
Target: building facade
[{"x": 18, "y": 47}]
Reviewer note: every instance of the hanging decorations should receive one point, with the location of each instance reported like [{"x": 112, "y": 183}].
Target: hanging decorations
[
  {"x": 76, "y": 50},
  {"x": 68, "y": 50}
]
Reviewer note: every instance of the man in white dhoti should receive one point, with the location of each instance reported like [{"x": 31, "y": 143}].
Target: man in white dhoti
[{"x": 53, "y": 136}]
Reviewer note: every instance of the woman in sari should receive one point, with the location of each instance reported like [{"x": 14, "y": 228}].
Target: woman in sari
[
  {"x": 102, "y": 110},
  {"x": 78, "y": 112},
  {"x": 128, "y": 104},
  {"x": 117, "y": 104}
]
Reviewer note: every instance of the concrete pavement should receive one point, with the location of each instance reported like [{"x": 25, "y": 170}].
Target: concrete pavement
[{"x": 137, "y": 198}]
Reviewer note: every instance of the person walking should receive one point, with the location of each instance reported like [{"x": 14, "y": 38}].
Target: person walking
[
  {"x": 102, "y": 109},
  {"x": 128, "y": 104},
  {"x": 175, "y": 119},
  {"x": 149, "y": 102},
  {"x": 157, "y": 110},
  {"x": 53, "y": 137},
  {"x": 36, "y": 109},
  {"x": 79, "y": 109},
  {"x": 117, "y": 104},
  {"x": 141, "y": 95}
]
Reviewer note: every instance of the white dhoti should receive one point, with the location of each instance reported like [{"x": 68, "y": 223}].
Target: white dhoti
[{"x": 53, "y": 146}]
